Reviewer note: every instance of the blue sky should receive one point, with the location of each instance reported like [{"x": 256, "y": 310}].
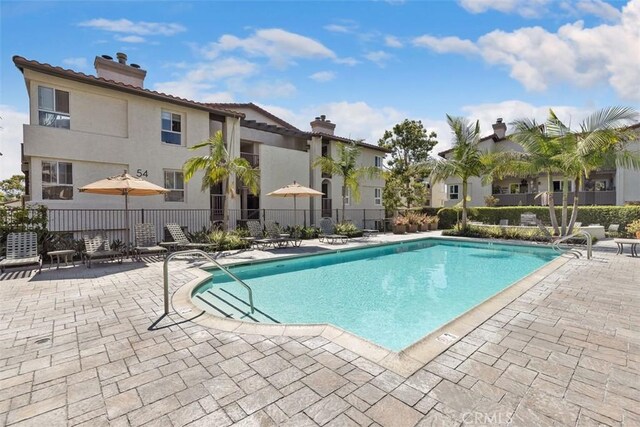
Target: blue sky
[{"x": 366, "y": 65}]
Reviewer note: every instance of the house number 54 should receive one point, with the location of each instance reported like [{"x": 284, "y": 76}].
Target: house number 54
[{"x": 140, "y": 173}]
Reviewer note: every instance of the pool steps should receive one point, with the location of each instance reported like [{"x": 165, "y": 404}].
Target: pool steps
[{"x": 231, "y": 306}]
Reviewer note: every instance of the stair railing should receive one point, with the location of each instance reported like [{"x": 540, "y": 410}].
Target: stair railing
[
  {"x": 556, "y": 244},
  {"x": 210, "y": 258}
]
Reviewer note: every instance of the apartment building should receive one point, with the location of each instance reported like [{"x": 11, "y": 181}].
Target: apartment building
[
  {"x": 83, "y": 128},
  {"x": 604, "y": 187}
]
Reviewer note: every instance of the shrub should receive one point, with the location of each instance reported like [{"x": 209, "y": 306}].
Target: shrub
[
  {"x": 633, "y": 227},
  {"x": 490, "y": 200},
  {"x": 348, "y": 229},
  {"x": 603, "y": 215},
  {"x": 304, "y": 233}
]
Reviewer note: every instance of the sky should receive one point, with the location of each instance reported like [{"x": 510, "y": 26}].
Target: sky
[{"x": 366, "y": 65}]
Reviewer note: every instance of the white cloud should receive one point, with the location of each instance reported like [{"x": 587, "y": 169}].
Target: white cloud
[
  {"x": 574, "y": 54},
  {"x": 392, "y": 41},
  {"x": 347, "y": 61},
  {"x": 446, "y": 44},
  {"x": 131, "y": 39},
  {"x": 525, "y": 8},
  {"x": 221, "y": 68},
  {"x": 323, "y": 76},
  {"x": 10, "y": 140},
  {"x": 140, "y": 28},
  {"x": 337, "y": 28},
  {"x": 78, "y": 63},
  {"x": 218, "y": 97},
  {"x": 280, "y": 46},
  {"x": 600, "y": 9},
  {"x": 378, "y": 57}
]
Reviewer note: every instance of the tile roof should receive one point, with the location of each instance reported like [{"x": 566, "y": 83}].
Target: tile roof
[
  {"x": 255, "y": 107},
  {"x": 23, "y": 63}
]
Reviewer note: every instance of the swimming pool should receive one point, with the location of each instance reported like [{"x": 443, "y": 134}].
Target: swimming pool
[{"x": 392, "y": 295}]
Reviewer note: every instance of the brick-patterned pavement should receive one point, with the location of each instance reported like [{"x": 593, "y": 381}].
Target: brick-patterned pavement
[{"x": 567, "y": 352}]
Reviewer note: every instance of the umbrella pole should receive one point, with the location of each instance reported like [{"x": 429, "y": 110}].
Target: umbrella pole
[
  {"x": 295, "y": 213},
  {"x": 126, "y": 221}
]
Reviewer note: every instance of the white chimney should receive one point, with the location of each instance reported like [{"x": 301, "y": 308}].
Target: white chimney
[
  {"x": 322, "y": 125},
  {"x": 499, "y": 128},
  {"x": 119, "y": 71}
]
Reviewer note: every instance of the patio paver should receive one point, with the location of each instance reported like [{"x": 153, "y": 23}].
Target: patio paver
[{"x": 566, "y": 352}]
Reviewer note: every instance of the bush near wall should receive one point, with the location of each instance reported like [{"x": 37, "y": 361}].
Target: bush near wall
[{"x": 603, "y": 215}]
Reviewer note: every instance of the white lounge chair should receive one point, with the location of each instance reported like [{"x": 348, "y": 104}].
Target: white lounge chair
[
  {"x": 146, "y": 241},
  {"x": 327, "y": 232},
  {"x": 22, "y": 250},
  {"x": 182, "y": 242},
  {"x": 97, "y": 248}
]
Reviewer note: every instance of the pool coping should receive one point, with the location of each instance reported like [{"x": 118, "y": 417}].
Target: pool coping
[{"x": 405, "y": 362}]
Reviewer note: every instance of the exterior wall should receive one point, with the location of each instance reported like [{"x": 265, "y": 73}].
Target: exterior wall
[
  {"x": 628, "y": 182},
  {"x": 279, "y": 168},
  {"x": 109, "y": 132}
]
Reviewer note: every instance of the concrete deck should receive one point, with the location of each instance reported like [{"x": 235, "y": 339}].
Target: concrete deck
[{"x": 84, "y": 346}]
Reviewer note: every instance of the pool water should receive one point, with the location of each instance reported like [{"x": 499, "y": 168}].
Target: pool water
[{"x": 392, "y": 295}]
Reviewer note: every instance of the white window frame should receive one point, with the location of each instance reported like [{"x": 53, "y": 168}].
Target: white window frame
[
  {"x": 377, "y": 196},
  {"x": 55, "y": 111},
  {"x": 174, "y": 190},
  {"x": 57, "y": 181},
  {"x": 347, "y": 196},
  {"x": 451, "y": 193},
  {"x": 171, "y": 131},
  {"x": 377, "y": 162}
]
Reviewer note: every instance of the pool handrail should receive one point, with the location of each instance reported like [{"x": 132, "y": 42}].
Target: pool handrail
[
  {"x": 556, "y": 244},
  {"x": 210, "y": 258}
]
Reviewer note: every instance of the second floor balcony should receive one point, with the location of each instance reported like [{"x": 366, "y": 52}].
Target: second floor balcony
[
  {"x": 253, "y": 159},
  {"x": 584, "y": 198}
]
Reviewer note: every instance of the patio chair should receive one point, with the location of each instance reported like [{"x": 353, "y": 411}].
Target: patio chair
[
  {"x": 327, "y": 235},
  {"x": 146, "y": 241},
  {"x": 98, "y": 247},
  {"x": 280, "y": 239},
  {"x": 257, "y": 237},
  {"x": 504, "y": 222},
  {"x": 182, "y": 242},
  {"x": 22, "y": 250}
]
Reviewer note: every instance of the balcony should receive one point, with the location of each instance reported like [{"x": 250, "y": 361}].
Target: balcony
[
  {"x": 253, "y": 159},
  {"x": 600, "y": 198}
]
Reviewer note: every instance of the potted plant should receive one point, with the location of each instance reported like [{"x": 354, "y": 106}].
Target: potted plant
[
  {"x": 423, "y": 225},
  {"x": 433, "y": 222},
  {"x": 634, "y": 228},
  {"x": 400, "y": 225},
  {"x": 413, "y": 219}
]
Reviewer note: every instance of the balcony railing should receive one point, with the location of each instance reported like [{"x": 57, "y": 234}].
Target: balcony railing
[
  {"x": 584, "y": 198},
  {"x": 253, "y": 159}
]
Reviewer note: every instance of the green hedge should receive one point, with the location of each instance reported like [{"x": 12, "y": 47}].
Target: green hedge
[{"x": 603, "y": 215}]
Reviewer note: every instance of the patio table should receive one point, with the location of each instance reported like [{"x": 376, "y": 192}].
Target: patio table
[{"x": 62, "y": 253}]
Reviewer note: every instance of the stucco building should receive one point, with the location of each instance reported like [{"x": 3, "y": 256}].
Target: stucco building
[
  {"x": 614, "y": 186},
  {"x": 83, "y": 128}
]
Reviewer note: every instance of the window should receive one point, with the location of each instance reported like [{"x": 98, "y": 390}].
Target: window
[
  {"x": 378, "y": 162},
  {"x": 53, "y": 108},
  {"x": 557, "y": 186},
  {"x": 57, "y": 181},
  {"x": 347, "y": 196},
  {"x": 174, "y": 181},
  {"x": 453, "y": 192},
  {"x": 377, "y": 196},
  {"x": 514, "y": 188},
  {"x": 171, "y": 128},
  {"x": 601, "y": 185}
]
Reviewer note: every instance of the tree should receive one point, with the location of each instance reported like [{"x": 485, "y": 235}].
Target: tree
[
  {"x": 219, "y": 167},
  {"x": 466, "y": 159},
  {"x": 12, "y": 188},
  {"x": 601, "y": 140},
  {"x": 410, "y": 145},
  {"x": 346, "y": 166}
]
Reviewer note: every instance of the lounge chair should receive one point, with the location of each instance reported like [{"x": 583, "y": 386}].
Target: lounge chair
[
  {"x": 98, "y": 247},
  {"x": 182, "y": 242},
  {"x": 528, "y": 219},
  {"x": 504, "y": 222},
  {"x": 257, "y": 237},
  {"x": 22, "y": 250},
  {"x": 327, "y": 235},
  {"x": 281, "y": 239},
  {"x": 146, "y": 241}
]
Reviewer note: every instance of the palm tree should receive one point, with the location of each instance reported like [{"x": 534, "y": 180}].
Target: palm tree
[
  {"x": 219, "y": 167},
  {"x": 346, "y": 166},
  {"x": 466, "y": 159},
  {"x": 601, "y": 140},
  {"x": 539, "y": 155}
]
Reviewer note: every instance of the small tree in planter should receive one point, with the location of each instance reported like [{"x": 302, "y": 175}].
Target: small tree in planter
[
  {"x": 432, "y": 222},
  {"x": 413, "y": 219},
  {"x": 400, "y": 224},
  {"x": 424, "y": 222}
]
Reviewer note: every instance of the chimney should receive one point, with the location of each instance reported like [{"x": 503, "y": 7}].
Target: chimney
[
  {"x": 499, "y": 128},
  {"x": 322, "y": 125},
  {"x": 119, "y": 71}
]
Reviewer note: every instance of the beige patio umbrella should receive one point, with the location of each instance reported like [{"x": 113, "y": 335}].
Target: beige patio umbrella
[
  {"x": 295, "y": 190},
  {"x": 124, "y": 185}
]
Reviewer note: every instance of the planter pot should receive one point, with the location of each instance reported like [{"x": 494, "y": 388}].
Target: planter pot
[
  {"x": 433, "y": 226},
  {"x": 399, "y": 229},
  {"x": 412, "y": 228},
  {"x": 637, "y": 234},
  {"x": 423, "y": 227}
]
